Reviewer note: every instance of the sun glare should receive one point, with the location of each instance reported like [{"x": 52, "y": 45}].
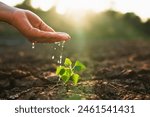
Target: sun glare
[
  {"x": 44, "y": 5},
  {"x": 139, "y": 7},
  {"x": 77, "y": 9},
  {"x": 80, "y": 6},
  {"x": 12, "y": 2}
]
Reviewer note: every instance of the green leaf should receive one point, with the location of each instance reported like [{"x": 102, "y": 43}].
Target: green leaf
[
  {"x": 79, "y": 66},
  {"x": 68, "y": 62},
  {"x": 65, "y": 78},
  {"x": 75, "y": 78},
  {"x": 60, "y": 70},
  {"x": 68, "y": 72}
]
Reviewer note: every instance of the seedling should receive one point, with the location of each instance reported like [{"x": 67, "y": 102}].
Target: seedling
[{"x": 69, "y": 72}]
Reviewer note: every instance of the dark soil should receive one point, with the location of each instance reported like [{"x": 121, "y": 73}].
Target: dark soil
[{"x": 116, "y": 69}]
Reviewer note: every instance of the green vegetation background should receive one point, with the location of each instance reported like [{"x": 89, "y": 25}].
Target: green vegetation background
[{"x": 109, "y": 24}]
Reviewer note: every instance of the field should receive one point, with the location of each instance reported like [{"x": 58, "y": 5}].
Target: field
[{"x": 116, "y": 69}]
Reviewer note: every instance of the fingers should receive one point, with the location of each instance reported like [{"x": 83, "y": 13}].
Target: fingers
[
  {"x": 37, "y": 22},
  {"x": 54, "y": 37},
  {"x": 48, "y": 37},
  {"x": 45, "y": 27},
  {"x": 36, "y": 30},
  {"x": 40, "y": 36}
]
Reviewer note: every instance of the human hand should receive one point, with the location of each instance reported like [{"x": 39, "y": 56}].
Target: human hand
[{"x": 32, "y": 27}]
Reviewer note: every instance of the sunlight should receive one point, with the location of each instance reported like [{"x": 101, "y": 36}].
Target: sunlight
[
  {"x": 139, "y": 7},
  {"x": 12, "y": 2},
  {"x": 80, "y": 6},
  {"x": 44, "y": 5},
  {"x": 76, "y": 8}
]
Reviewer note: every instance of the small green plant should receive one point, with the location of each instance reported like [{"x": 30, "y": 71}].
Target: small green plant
[{"x": 69, "y": 72}]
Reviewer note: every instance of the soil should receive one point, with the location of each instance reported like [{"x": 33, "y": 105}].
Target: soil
[{"x": 116, "y": 70}]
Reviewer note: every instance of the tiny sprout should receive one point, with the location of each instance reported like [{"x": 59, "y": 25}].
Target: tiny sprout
[{"x": 68, "y": 72}]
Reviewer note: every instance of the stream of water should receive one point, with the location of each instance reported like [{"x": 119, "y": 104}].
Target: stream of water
[
  {"x": 56, "y": 51},
  {"x": 60, "y": 46},
  {"x": 33, "y": 45}
]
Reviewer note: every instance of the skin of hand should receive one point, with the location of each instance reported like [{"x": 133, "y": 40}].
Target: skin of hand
[{"x": 32, "y": 26}]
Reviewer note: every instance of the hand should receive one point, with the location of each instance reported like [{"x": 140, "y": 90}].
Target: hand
[{"x": 32, "y": 27}]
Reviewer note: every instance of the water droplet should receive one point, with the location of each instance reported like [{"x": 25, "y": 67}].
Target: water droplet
[
  {"x": 60, "y": 61},
  {"x": 58, "y": 44},
  {"x": 33, "y": 45},
  {"x": 53, "y": 57}
]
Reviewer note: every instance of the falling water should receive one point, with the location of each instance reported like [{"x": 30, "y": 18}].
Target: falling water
[
  {"x": 33, "y": 45},
  {"x": 62, "y": 48},
  {"x": 57, "y": 46},
  {"x": 53, "y": 57}
]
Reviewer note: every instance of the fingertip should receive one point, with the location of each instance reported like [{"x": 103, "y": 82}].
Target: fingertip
[{"x": 67, "y": 36}]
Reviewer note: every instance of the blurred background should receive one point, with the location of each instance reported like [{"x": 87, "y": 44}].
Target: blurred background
[
  {"x": 91, "y": 19},
  {"x": 87, "y": 21}
]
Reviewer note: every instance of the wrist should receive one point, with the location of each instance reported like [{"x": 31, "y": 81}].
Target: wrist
[{"x": 6, "y": 13}]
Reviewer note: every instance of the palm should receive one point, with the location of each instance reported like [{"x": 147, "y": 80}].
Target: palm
[{"x": 31, "y": 26}]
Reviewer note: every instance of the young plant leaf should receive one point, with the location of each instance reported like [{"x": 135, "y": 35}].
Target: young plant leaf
[
  {"x": 79, "y": 66},
  {"x": 68, "y": 72},
  {"x": 75, "y": 78},
  {"x": 59, "y": 69},
  {"x": 68, "y": 62},
  {"x": 65, "y": 78},
  {"x": 62, "y": 71}
]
